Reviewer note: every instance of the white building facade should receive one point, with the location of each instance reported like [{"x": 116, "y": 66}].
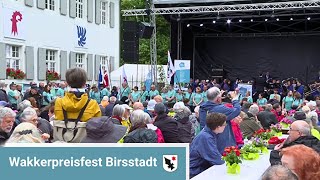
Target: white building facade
[{"x": 41, "y": 35}]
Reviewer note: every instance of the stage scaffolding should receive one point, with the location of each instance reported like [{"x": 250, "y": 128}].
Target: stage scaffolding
[{"x": 290, "y": 8}]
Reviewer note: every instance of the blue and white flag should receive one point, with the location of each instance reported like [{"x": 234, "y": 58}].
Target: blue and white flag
[
  {"x": 171, "y": 69},
  {"x": 124, "y": 76},
  {"x": 148, "y": 81},
  {"x": 100, "y": 79}
]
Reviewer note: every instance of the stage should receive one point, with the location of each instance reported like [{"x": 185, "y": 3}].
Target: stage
[{"x": 246, "y": 43}]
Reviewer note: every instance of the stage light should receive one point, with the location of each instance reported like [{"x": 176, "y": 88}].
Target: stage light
[
  {"x": 213, "y": 21},
  {"x": 228, "y": 21},
  {"x": 266, "y": 20},
  {"x": 188, "y": 25},
  {"x": 240, "y": 20},
  {"x": 251, "y": 20},
  {"x": 277, "y": 19},
  {"x": 308, "y": 18},
  {"x": 291, "y": 19},
  {"x": 201, "y": 25}
]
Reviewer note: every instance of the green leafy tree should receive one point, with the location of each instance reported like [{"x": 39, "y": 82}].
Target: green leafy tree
[{"x": 163, "y": 33}]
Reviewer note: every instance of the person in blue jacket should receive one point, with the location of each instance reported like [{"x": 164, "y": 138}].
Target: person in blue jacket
[
  {"x": 213, "y": 104},
  {"x": 203, "y": 149}
]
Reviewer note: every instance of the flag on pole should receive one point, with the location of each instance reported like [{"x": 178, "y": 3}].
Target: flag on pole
[
  {"x": 124, "y": 76},
  {"x": 171, "y": 69},
  {"x": 100, "y": 79},
  {"x": 148, "y": 81},
  {"x": 106, "y": 80}
]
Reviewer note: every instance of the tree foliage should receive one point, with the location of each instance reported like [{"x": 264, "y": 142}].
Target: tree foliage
[{"x": 163, "y": 33}]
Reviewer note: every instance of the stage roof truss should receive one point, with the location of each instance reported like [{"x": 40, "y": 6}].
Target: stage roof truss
[{"x": 226, "y": 8}]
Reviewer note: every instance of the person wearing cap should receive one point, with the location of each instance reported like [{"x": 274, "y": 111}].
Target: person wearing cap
[
  {"x": 35, "y": 94},
  {"x": 166, "y": 124},
  {"x": 76, "y": 98},
  {"x": 102, "y": 130},
  {"x": 13, "y": 96},
  {"x": 150, "y": 108},
  {"x": 26, "y": 133},
  {"x": 30, "y": 115},
  {"x": 126, "y": 116},
  {"x": 7, "y": 119},
  {"x": 299, "y": 133}
]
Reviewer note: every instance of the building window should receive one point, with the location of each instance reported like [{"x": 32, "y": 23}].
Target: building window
[
  {"x": 49, "y": 4},
  {"x": 104, "y": 12},
  {"x": 80, "y": 61},
  {"x": 79, "y": 8},
  {"x": 51, "y": 60},
  {"x": 104, "y": 62},
  {"x": 13, "y": 56}
]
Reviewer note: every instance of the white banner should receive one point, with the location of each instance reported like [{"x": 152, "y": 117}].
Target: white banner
[{"x": 14, "y": 23}]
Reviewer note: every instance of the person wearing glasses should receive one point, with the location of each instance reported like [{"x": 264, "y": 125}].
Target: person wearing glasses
[
  {"x": 204, "y": 151},
  {"x": 299, "y": 133},
  {"x": 30, "y": 115}
]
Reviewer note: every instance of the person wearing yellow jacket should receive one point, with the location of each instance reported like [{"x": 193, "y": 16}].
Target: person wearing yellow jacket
[{"x": 75, "y": 98}]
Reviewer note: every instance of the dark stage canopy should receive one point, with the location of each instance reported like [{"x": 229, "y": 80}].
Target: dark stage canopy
[{"x": 284, "y": 43}]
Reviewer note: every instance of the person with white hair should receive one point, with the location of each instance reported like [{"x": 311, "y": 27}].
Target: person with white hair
[
  {"x": 313, "y": 114},
  {"x": 184, "y": 125},
  {"x": 7, "y": 118},
  {"x": 103, "y": 104},
  {"x": 109, "y": 107},
  {"x": 26, "y": 133},
  {"x": 118, "y": 115},
  {"x": 213, "y": 105},
  {"x": 30, "y": 115},
  {"x": 250, "y": 123},
  {"x": 139, "y": 132}
]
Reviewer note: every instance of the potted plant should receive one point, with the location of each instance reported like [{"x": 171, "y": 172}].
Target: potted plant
[
  {"x": 15, "y": 74},
  {"x": 260, "y": 144},
  {"x": 20, "y": 74},
  {"x": 10, "y": 72},
  {"x": 52, "y": 75},
  {"x": 250, "y": 152},
  {"x": 277, "y": 129},
  {"x": 232, "y": 157}
]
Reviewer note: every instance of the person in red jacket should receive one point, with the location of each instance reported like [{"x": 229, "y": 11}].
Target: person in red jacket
[
  {"x": 235, "y": 124},
  {"x": 236, "y": 130}
]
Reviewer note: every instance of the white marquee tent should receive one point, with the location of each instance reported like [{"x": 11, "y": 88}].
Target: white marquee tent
[{"x": 136, "y": 74}]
